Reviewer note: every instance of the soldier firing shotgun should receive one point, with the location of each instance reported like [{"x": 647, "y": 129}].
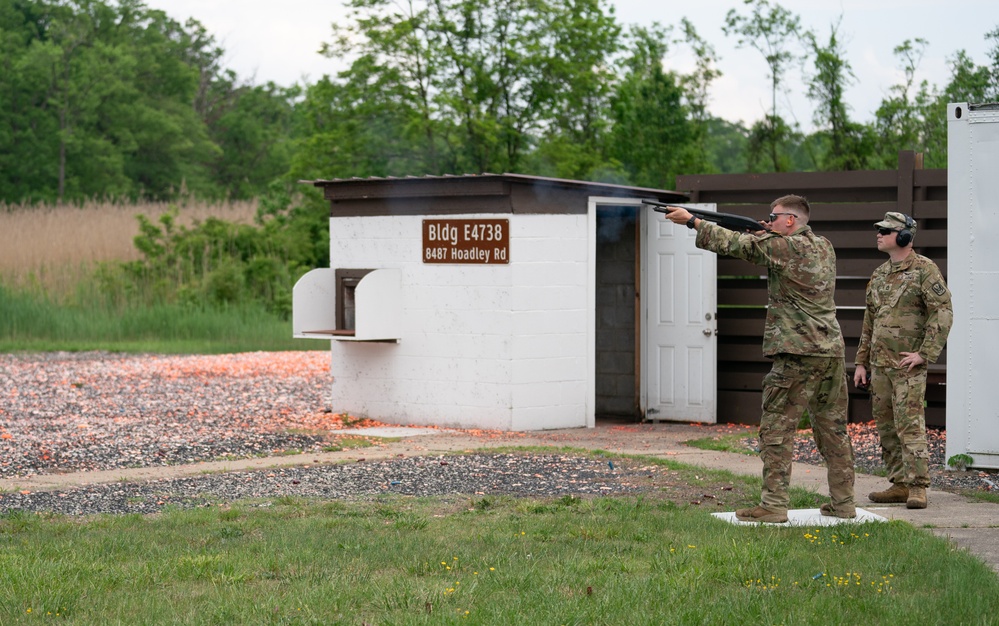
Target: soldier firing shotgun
[{"x": 802, "y": 337}]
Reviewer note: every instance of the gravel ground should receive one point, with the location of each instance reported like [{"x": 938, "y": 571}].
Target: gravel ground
[
  {"x": 62, "y": 412},
  {"x": 73, "y": 412},
  {"x": 535, "y": 475}
]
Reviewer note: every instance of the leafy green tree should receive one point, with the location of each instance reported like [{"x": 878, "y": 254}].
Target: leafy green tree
[
  {"x": 769, "y": 29},
  {"x": 992, "y": 93},
  {"x": 697, "y": 84},
  {"x": 110, "y": 98},
  {"x": 252, "y": 125},
  {"x": 968, "y": 83},
  {"x": 974, "y": 83},
  {"x": 64, "y": 71},
  {"x": 254, "y": 135},
  {"x": 27, "y": 165},
  {"x": 358, "y": 128},
  {"x": 87, "y": 66},
  {"x": 844, "y": 144},
  {"x": 726, "y": 145},
  {"x": 904, "y": 118},
  {"x": 218, "y": 263},
  {"x": 573, "y": 142},
  {"x": 653, "y": 137},
  {"x": 771, "y": 142},
  {"x": 461, "y": 85},
  {"x": 164, "y": 138}
]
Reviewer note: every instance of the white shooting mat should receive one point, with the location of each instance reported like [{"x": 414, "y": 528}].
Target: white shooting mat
[{"x": 807, "y": 517}]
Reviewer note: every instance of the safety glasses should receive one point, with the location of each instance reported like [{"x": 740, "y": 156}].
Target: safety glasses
[{"x": 774, "y": 216}]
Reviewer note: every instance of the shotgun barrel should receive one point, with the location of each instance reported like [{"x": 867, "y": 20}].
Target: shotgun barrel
[{"x": 731, "y": 221}]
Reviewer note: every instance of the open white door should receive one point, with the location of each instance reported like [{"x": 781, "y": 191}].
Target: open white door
[{"x": 679, "y": 322}]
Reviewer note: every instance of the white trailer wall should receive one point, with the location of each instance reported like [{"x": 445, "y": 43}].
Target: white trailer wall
[{"x": 972, "y": 236}]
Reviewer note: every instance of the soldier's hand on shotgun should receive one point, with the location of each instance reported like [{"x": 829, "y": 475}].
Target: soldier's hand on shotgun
[{"x": 680, "y": 215}]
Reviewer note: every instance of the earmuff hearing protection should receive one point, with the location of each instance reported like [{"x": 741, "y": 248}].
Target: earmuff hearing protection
[{"x": 904, "y": 236}]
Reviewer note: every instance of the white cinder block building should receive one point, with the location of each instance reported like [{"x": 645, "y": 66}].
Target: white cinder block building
[{"x": 509, "y": 302}]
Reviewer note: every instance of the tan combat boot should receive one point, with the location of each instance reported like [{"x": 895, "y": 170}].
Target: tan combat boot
[
  {"x": 897, "y": 493},
  {"x": 760, "y": 514},
  {"x": 917, "y": 498},
  {"x": 829, "y": 510}
]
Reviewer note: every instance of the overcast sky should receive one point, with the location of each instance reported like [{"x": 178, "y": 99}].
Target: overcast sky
[{"x": 268, "y": 40}]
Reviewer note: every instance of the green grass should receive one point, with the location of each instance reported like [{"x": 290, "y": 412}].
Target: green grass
[
  {"x": 481, "y": 560},
  {"x": 724, "y": 443},
  {"x": 984, "y": 496},
  {"x": 30, "y": 322}
]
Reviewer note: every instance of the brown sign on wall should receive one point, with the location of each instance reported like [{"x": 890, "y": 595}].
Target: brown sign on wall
[{"x": 482, "y": 242}]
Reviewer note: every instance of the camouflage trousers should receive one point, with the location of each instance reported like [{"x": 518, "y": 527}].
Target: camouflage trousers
[
  {"x": 897, "y": 397},
  {"x": 796, "y": 383}
]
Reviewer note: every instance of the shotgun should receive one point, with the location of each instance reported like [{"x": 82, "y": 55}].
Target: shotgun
[{"x": 731, "y": 221}]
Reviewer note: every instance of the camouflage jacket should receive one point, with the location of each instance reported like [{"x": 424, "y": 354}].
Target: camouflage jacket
[
  {"x": 801, "y": 279},
  {"x": 908, "y": 310}
]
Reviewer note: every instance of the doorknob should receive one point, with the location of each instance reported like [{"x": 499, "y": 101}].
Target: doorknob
[{"x": 707, "y": 332}]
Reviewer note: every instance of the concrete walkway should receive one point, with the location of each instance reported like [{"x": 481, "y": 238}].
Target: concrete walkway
[{"x": 968, "y": 523}]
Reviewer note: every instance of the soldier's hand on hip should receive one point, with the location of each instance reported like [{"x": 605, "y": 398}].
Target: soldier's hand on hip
[{"x": 911, "y": 360}]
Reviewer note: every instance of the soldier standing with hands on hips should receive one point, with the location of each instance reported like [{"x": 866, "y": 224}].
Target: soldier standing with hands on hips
[
  {"x": 906, "y": 323},
  {"x": 803, "y": 338}
]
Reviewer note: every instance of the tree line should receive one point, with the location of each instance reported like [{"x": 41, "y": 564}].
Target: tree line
[{"x": 112, "y": 98}]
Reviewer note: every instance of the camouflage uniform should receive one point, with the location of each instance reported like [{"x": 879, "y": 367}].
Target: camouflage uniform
[
  {"x": 908, "y": 310},
  {"x": 803, "y": 338}
]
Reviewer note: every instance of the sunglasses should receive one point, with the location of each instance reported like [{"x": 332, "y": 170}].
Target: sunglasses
[
  {"x": 885, "y": 231},
  {"x": 773, "y": 216}
]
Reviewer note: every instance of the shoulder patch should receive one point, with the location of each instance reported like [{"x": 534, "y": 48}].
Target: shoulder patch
[{"x": 939, "y": 289}]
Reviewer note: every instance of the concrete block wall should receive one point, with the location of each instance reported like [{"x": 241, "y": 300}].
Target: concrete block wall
[
  {"x": 482, "y": 346},
  {"x": 615, "y": 319}
]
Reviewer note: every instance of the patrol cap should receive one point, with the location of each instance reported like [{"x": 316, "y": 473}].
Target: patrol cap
[{"x": 897, "y": 221}]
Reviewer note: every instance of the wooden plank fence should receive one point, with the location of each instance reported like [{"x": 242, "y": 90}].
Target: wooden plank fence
[{"x": 844, "y": 207}]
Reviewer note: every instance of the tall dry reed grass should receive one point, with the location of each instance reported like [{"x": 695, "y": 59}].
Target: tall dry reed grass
[{"x": 54, "y": 247}]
